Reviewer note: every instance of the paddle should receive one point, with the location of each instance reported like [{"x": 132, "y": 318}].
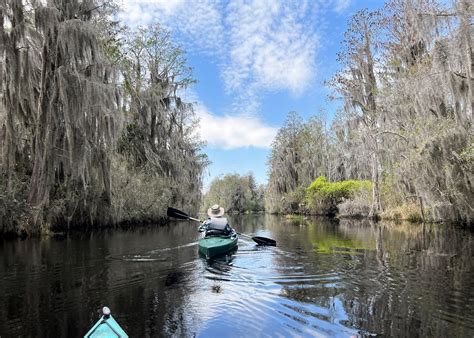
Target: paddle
[
  {"x": 261, "y": 240},
  {"x": 175, "y": 213}
]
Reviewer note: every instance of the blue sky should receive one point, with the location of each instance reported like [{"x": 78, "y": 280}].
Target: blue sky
[{"x": 254, "y": 61}]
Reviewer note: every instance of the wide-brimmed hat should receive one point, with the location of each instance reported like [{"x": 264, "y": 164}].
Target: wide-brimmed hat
[{"x": 215, "y": 211}]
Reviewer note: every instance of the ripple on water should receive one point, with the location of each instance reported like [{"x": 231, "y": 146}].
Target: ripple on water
[{"x": 321, "y": 280}]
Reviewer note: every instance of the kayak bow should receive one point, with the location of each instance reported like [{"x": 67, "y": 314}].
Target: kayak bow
[{"x": 106, "y": 327}]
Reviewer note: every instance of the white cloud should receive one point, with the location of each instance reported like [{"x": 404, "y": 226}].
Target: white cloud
[
  {"x": 259, "y": 46},
  {"x": 262, "y": 45},
  {"x": 269, "y": 47},
  {"x": 229, "y": 131},
  {"x": 342, "y": 5},
  {"x": 134, "y": 13},
  {"x": 169, "y": 6},
  {"x": 199, "y": 22},
  {"x": 236, "y": 131}
]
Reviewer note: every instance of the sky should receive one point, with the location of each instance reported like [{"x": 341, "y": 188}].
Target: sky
[{"x": 254, "y": 62}]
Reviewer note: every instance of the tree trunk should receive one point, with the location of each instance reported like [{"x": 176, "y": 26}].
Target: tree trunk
[
  {"x": 371, "y": 90},
  {"x": 465, "y": 29},
  {"x": 376, "y": 207}
]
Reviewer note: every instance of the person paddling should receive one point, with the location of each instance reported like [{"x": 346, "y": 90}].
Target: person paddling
[
  {"x": 175, "y": 213},
  {"x": 216, "y": 225}
]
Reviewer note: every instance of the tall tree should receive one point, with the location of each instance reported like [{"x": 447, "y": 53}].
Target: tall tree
[
  {"x": 160, "y": 136},
  {"x": 298, "y": 156},
  {"x": 430, "y": 103},
  {"x": 236, "y": 193},
  {"x": 63, "y": 107},
  {"x": 358, "y": 86},
  {"x": 75, "y": 119},
  {"x": 60, "y": 100}
]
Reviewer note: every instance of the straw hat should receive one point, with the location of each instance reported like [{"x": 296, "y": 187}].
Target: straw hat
[{"x": 215, "y": 211}]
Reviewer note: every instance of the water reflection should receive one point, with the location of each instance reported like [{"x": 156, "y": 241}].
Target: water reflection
[
  {"x": 324, "y": 278},
  {"x": 385, "y": 279}
]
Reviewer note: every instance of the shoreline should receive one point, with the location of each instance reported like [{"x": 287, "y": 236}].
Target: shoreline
[{"x": 58, "y": 232}]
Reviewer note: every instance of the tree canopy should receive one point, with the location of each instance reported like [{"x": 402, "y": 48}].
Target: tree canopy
[
  {"x": 406, "y": 83},
  {"x": 236, "y": 193},
  {"x": 93, "y": 129}
]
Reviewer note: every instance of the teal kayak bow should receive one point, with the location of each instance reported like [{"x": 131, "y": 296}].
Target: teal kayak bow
[{"x": 106, "y": 327}]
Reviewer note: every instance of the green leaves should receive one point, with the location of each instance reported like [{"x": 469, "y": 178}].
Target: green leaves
[{"x": 334, "y": 192}]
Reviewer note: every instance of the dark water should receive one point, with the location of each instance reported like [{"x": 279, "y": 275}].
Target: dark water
[{"x": 323, "y": 279}]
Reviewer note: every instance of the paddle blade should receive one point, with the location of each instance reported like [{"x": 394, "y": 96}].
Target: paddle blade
[
  {"x": 175, "y": 213},
  {"x": 264, "y": 241}
]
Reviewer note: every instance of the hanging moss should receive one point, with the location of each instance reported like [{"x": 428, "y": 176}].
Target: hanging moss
[{"x": 63, "y": 108}]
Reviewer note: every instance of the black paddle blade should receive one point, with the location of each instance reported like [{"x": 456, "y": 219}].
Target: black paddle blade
[
  {"x": 175, "y": 213},
  {"x": 264, "y": 241}
]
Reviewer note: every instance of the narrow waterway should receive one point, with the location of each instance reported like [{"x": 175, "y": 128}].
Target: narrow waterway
[{"x": 330, "y": 279}]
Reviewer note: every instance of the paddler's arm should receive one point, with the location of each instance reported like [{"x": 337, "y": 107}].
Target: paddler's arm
[{"x": 203, "y": 226}]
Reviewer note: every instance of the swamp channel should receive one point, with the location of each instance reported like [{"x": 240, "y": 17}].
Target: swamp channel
[{"x": 324, "y": 278}]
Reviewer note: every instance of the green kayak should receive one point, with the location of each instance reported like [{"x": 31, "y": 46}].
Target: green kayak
[
  {"x": 106, "y": 326},
  {"x": 217, "y": 245}
]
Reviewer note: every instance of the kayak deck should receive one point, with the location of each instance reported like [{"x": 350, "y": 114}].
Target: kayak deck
[
  {"x": 106, "y": 326},
  {"x": 217, "y": 245}
]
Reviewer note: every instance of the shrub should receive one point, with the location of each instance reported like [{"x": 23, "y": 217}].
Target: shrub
[
  {"x": 322, "y": 197},
  {"x": 335, "y": 191}
]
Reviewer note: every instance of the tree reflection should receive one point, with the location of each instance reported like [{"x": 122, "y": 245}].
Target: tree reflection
[
  {"x": 390, "y": 279},
  {"x": 331, "y": 278},
  {"x": 57, "y": 288}
]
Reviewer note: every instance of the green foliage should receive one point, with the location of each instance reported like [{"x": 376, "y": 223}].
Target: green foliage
[
  {"x": 335, "y": 191},
  {"x": 322, "y": 197},
  {"x": 415, "y": 218},
  {"x": 235, "y": 193}
]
